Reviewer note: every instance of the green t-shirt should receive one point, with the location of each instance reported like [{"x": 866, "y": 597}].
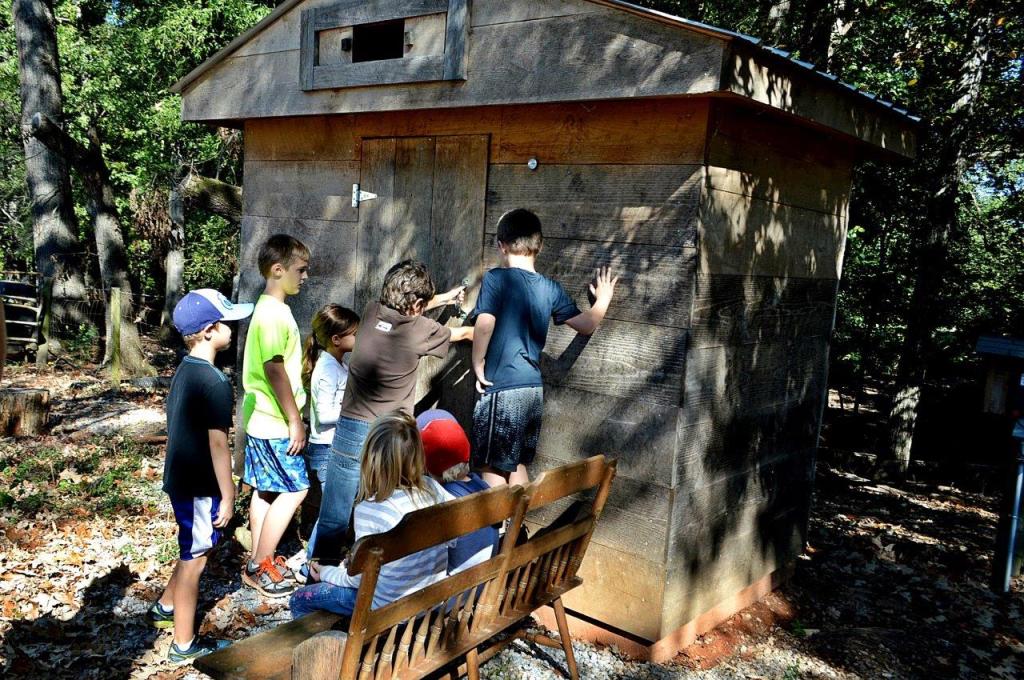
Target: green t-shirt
[{"x": 272, "y": 333}]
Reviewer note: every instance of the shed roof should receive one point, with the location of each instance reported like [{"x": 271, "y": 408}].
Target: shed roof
[
  {"x": 774, "y": 52},
  {"x": 1000, "y": 346},
  {"x": 614, "y": 50}
]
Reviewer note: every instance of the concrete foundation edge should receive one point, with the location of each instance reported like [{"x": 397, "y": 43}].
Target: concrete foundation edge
[{"x": 585, "y": 628}]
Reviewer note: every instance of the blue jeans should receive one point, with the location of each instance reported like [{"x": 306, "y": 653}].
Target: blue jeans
[
  {"x": 317, "y": 457},
  {"x": 323, "y": 597},
  {"x": 340, "y": 488}
]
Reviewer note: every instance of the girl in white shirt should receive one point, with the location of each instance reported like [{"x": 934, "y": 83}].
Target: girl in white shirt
[
  {"x": 324, "y": 375},
  {"x": 392, "y": 484}
]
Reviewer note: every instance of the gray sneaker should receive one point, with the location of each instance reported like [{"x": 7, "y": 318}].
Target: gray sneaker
[
  {"x": 267, "y": 579},
  {"x": 201, "y": 646}
]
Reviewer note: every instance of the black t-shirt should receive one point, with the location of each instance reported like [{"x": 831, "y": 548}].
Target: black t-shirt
[{"x": 200, "y": 400}]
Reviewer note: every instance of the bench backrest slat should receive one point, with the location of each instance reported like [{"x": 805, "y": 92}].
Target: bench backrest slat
[{"x": 437, "y": 524}]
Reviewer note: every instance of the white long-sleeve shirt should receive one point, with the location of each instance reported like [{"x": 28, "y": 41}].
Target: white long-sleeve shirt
[
  {"x": 410, "y": 573},
  {"x": 327, "y": 386}
]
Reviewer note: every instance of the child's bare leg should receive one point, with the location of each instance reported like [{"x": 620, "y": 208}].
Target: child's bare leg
[
  {"x": 493, "y": 476},
  {"x": 259, "y": 506},
  {"x": 520, "y": 476},
  {"x": 167, "y": 599},
  {"x": 276, "y": 520},
  {"x": 186, "y": 595}
]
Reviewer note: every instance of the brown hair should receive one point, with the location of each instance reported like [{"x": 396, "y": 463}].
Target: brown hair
[
  {"x": 404, "y": 284},
  {"x": 519, "y": 231},
  {"x": 392, "y": 459},
  {"x": 331, "y": 320},
  {"x": 283, "y": 249}
]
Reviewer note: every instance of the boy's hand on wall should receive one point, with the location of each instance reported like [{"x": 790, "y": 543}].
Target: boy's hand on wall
[
  {"x": 604, "y": 286},
  {"x": 297, "y": 437}
]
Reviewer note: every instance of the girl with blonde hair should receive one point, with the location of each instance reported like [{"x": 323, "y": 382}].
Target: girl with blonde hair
[{"x": 392, "y": 484}]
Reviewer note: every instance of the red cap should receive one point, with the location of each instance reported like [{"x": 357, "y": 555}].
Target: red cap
[{"x": 444, "y": 445}]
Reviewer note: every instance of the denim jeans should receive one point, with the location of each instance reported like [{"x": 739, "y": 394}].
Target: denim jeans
[
  {"x": 340, "y": 488},
  {"x": 317, "y": 457},
  {"x": 323, "y": 597}
]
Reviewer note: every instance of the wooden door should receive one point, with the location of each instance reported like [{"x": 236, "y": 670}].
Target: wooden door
[{"x": 429, "y": 206}]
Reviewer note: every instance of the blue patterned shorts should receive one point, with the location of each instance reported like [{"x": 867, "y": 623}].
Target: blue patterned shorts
[
  {"x": 268, "y": 467},
  {"x": 506, "y": 428}
]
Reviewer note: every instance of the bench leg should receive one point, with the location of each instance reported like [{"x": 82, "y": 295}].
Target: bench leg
[
  {"x": 563, "y": 633},
  {"x": 473, "y": 664}
]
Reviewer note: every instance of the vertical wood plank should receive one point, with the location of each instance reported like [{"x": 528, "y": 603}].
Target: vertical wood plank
[
  {"x": 456, "y": 246},
  {"x": 307, "y": 50},
  {"x": 376, "y": 217},
  {"x": 456, "y": 52}
]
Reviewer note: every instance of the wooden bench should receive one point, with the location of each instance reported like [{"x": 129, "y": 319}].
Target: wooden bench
[{"x": 454, "y": 624}]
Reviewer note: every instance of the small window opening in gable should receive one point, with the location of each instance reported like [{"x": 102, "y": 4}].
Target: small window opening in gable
[{"x": 378, "y": 41}]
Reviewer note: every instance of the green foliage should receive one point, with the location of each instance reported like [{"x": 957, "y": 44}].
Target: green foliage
[{"x": 118, "y": 61}]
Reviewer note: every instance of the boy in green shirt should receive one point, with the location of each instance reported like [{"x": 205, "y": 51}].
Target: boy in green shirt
[{"x": 275, "y": 436}]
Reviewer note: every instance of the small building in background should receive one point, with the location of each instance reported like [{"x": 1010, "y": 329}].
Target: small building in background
[{"x": 712, "y": 172}]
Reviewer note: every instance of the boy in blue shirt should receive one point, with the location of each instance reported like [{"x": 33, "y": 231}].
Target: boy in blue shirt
[
  {"x": 514, "y": 309},
  {"x": 197, "y": 469}
]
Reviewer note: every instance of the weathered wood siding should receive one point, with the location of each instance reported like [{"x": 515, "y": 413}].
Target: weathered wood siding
[
  {"x": 618, "y": 183},
  {"x": 771, "y": 234},
  {"x": 535, "y": 51}
]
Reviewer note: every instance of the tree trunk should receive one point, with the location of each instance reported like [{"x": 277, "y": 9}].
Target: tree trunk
[
  {"x": 952, "y": 140},
  {"x": 212, "y": 195},
  {"x": 23, "y": 412},
  {"x": 174, "y": 262},
  {"x": 54, "y": 227},
  {"x": 113, "y": 262}
]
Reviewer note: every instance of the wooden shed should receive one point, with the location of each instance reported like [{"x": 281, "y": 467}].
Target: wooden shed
[{"x": 713, "y": 172}]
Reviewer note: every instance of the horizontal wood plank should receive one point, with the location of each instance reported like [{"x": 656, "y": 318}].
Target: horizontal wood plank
[
  {"x": 712, "y": 571},
  {"x": 317, "y": 138},
  {"x": 386, "y": 71},
  {"x": 646, "y": 132},
  {"x": 332, "y": 244},
  {"x": 739, "y": 501},
  {"x": 640, "y": 435},
  {"x": 751, "y": 236},
  {"x": 316, "y": 190},
  {"x": 635, "y": 519},
  {"x": 655, "y": 285},
  {"x": 752, "y": 379},
  {"x": 719, "y": 449},
  {"x": 620, "y": 589},
  {"x": 487, "y": 12},
  {"x": 621, "y": 359},
  {"x": 737, "y": 310},
  {"x": 354, "y": 12},
  {"x": 639, "y": 204}
]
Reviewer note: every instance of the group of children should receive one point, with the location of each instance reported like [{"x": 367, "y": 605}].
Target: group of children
[{"x": 374, "y": 461}]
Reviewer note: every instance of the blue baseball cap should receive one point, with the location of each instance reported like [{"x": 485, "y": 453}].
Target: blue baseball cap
[
  {"x": 430, "y": 415},
  {"x": 205, "y": 307}
]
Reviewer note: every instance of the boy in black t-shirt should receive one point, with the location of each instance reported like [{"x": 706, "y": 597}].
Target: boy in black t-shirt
[{"x": 197, "y": 470}]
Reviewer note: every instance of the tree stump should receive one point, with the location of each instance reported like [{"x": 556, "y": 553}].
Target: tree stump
[{"x": 23, "y": 411}]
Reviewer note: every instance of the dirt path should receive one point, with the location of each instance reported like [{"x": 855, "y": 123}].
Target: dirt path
[{"x": 893, "y": 584}]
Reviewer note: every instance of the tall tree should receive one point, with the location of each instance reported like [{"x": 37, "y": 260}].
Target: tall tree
[
  {"x": 54, "y": 227},
  {"x": 950, "y": 139},
  {"x": 88, "y": 161}
]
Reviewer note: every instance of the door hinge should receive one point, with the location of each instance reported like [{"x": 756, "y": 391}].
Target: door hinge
[{"x": 358, "y": 196}]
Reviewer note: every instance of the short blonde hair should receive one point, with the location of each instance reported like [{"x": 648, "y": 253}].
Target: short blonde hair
[{"x": 392, "y": 459}]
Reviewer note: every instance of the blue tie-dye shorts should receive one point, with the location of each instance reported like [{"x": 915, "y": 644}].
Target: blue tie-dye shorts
[{"x": 268, "y": 467}]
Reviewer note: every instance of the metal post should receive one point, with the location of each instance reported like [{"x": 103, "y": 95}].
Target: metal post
[
  {"x": 46, "y": 315},
  {"x": 1006, "y": 532}
]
